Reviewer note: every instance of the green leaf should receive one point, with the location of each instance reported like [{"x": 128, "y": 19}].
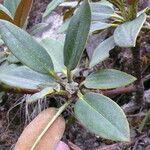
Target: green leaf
[
  {"x": 102, "y": 116},
  {"x": 108, "y": 79},
  {"x": 76, "y": 36},
  {"x": 25, "y": 48},
  {"x": 38, "y": 28},
  {"x": 11, "y": 5},
  {"x": 5, "y": 14},
  {"x": 55, "y": 50},
  {"x": 101, "y": 11},
  {"x": 102, "y": 51},
  {"x": 22, "y": 12},
  {"x": 126, "y": 34},
  {"x": 97, "y": 25},
  {"x": 12, "y": 59},
  {"x": 52, "y": 5},
  {"x": 24, "y": 78}
]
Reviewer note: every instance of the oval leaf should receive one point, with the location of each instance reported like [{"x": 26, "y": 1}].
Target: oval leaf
[
  {"x": 50, "y": 139},
  {"x": 102, "y": 51},
  {"x": 11, "y": 5},
  {"x": 102, "y": 116},
  {"x": 24, "y": 78},
  {"x": 108, "y": 79},
  {"x": 5, "y": 14},
  {"x": 77, "y": 35},
  {"x": 25, "y": 48},
  {"x": 22, "y": 12},
  {"x": 126, "y": 34}
]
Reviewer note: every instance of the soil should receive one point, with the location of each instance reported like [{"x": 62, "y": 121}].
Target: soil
[{"x": 13, "y": 118}]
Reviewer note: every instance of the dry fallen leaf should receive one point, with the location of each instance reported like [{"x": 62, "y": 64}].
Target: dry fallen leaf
[{"x": 33, "y": 130}]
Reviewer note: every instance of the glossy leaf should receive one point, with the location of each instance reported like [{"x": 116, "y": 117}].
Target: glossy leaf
[
  {"x": 5, "y": 14},
  {"x": 102, "y": 51},
  {"x": 24, "y": 78},
  {"x": 76, "y": 36},
  {"x": 11, "y": 5},
  {"x": 102, "y": 116},
  {"x": 25, "y": 48},
  {"x": 55, "y": 50},
  {"x": 108, "y": 79},
  {"x": 126, "y": 34},
  {"x": 52, "y": 5},
  {"x": 22, "y": 12}
]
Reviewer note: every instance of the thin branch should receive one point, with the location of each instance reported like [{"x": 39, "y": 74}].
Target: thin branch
[{"x": 118, "y": 91}]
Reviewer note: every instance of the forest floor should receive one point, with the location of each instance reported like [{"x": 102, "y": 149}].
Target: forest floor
[{"x": 13, "y": 116}]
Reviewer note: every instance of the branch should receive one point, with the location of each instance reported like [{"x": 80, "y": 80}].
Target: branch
[{"x": 118, "y": 91}]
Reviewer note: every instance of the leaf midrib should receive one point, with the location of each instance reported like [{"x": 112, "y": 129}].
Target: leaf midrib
[
  {"x": 102, "y": 116},
  {"x": 38, "y": 60}
]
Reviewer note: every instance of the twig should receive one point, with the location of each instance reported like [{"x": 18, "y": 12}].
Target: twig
[{"x": 118, "y": 91}]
